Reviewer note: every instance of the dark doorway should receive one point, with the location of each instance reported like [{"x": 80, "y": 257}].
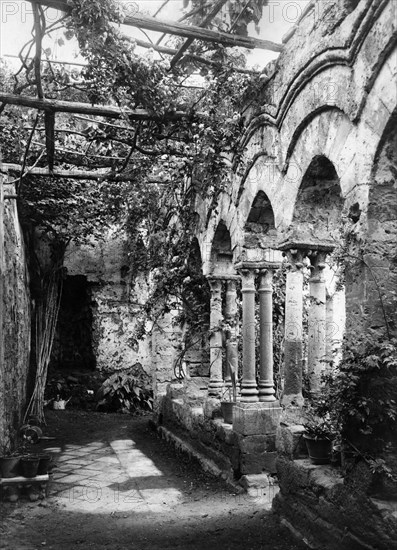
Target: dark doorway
[{"x": 73, "y": 345}]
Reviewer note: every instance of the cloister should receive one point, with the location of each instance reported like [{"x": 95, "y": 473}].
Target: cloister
[{"x": 306, "y": 223}]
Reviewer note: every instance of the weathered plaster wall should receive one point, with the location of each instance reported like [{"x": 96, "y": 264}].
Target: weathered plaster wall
[
  {"x": 117, "y": 296},
  {"x": 15, "y": 332}
]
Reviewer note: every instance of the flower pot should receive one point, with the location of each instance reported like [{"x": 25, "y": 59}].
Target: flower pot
[
  {"x": 319, "y": 449},
  {"x": 227, "y": 411},
  {"x": 44, "y": 464},
  {"x": 29, "y": 465},
  {"x": 9, "y": 466}
]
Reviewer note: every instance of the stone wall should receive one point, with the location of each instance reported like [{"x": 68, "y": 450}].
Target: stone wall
[
  {"x": 15, "y": 330},
  {"x": 116, "y": 298},
  {"x": 327, "y": 512}
]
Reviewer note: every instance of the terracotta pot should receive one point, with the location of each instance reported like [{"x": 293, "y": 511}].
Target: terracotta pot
[
  {"x": 319, "y": 449},
  {"x": 227, "y": 411},
  {"x": 29, "y": 465},
  {"x": 44, "y": 464},
  {"x": 9, "y": 466}
]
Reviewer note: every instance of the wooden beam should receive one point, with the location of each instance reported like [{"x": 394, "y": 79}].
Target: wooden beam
[
  {"x": 7, "y": 167},
  {"x": 180, "y": 29},
  {"x": 107, "y": 111},
  {"x": 191, "y": 56},
  {"x": 218, "y": 6}
]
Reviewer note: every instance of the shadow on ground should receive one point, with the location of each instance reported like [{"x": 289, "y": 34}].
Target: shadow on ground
[{"x": 117, "y": 485}]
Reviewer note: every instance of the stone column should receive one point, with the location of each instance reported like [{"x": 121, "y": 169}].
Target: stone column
[
  {"x": 266, "y": 383},
  {"x": 2, "y": 274},
  {"x": 231, "y": 310},
  {"x": 317, "y": 346},
  {"x": 249, "y": 391},
  {"x": 292, "y": 394},
  {"x": 216, "y": 377}
]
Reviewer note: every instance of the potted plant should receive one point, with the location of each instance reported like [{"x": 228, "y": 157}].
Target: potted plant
[
  {"x": 320, "y": 432},
  {"x": 229, "y": 396},
  {"x": 9, "y": 464},
  {"x": 30, "y": 465}
]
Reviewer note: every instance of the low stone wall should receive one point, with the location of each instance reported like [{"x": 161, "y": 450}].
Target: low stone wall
[
  {"x": 328, "y": 511},
  {"x": 15, "y": 332},
  {"x": 238, "y": 450}
]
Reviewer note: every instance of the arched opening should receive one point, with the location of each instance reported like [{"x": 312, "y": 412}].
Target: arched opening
[
  {"x": 381, "y": 271},
  {"x": 319, "y": 203},
  {"x": 316, "y": 228},
  {"x": 260, "y": 227},
  {"x": 221, "y": 251}
]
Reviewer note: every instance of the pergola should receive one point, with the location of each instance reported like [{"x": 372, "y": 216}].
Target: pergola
[{"x": 51, "y": 107}]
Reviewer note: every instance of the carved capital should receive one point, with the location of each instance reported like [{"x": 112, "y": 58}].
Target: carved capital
[
  {"x": 317, "y": 263},
  {"x": 248, "y": 279},
  {"x": 215, "y": 285},
  {"x": 295, "y": 258}
]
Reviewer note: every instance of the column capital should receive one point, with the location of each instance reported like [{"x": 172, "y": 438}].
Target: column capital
[
  {"x": 247, "y": 275},
  {"x": 297, "y": 251},
  {"x": 231, "y": 284},
  {"x": 317, "y": 262},
  {"x": 215, "y": 284}
]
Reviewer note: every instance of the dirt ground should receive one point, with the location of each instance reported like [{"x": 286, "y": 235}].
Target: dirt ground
[{"x": 157, "y": 500}]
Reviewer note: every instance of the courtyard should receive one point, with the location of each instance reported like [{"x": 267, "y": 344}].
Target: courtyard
[{"x": 118, "y": 485}]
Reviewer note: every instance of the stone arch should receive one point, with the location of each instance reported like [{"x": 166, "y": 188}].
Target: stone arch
[
  {"x": 260, "y": 229},
  {"x": 221, "y": 256},
  {"x": 329, "y": 134},
  {"x": 318, "y": 204}
]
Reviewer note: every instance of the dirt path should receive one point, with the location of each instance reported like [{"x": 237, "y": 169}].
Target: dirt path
[{"x": 118, "y": 486}]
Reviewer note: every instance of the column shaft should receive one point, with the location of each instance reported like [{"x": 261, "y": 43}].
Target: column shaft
[
  {"x": 249, "y": 391},
  {"x": 292, "y": 394},
  {"x": 216, "y": 378},
  {"x": 231, "y": 311},
  {"x": 266, "y": 383},
  {"x": 316, "y": 352}
]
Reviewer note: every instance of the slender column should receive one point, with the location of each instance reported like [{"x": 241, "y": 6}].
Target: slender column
[
  {"x": 266, "y": 383},
  {"x": 249, "y": 391},
  {"x": 292, "y": 394},
  {"x": 231, "y": 310},
  {"x": 216, "y": 378},
  {"x": 2, "y": 274},
  {"x": 317, "y": 346}
]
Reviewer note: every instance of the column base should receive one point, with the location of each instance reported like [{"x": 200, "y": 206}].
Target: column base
[
  {"x": 249, "y": 394},
  {"x": 264, "y": 399},
  {"x": 215, "y": 388}
]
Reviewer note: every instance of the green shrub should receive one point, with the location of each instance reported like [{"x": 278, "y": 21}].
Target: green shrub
[{"x": 123, "y": 392}]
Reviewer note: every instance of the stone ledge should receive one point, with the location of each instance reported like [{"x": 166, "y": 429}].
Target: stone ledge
[
  {"x": 206, "y": 464},
  {"x": 331, "y": 512}
]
